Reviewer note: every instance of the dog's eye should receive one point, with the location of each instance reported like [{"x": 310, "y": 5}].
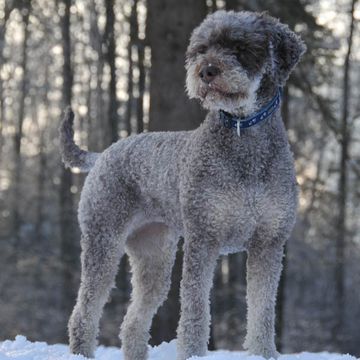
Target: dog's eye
[
  {"x": 193, "y": 52},
  {"x": 251, "y": 57},
  {"x": 241, "y": 48},
  {"x": 201, "y": 49}
]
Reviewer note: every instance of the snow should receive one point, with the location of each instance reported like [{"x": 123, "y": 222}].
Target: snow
[{"x": 22, "y": 349}]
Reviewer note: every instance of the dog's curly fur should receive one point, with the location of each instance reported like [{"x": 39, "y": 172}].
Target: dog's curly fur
[{"x": 222, "y": 192}]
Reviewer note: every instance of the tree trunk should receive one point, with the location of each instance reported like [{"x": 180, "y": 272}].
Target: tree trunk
[
  {"x": 68, "y": 230},
  {"x": 135, "y": 104},
  {"x": 7, "y": 11},
  {"x": 343, "y": 193},
  {"x": 110, "y": 58},
  {"x": 40, "y": 187},
  {"x": 285, "y": 107},
  {"x": 232, "y": 5},
  {"x": 140, "y": 46},
  {"x": 41, "y": 180},
  {"x": 130, "y": 81},
  {"x": 98, "y": 137},
  {"x": 141, "y": 87},
  {"x": 19, "y": 129},
  {"x": 280, "y": 302},
  {"x": 169, "y": 25}
]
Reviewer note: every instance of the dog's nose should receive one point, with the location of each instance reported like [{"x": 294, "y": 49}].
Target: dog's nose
[{"x": 208, "y": 73}]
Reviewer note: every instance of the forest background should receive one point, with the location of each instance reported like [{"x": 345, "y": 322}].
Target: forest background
[{"x": 120, "y": 65}]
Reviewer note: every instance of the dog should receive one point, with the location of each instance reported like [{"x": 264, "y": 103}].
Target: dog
[{"x": 227, "y": 186}]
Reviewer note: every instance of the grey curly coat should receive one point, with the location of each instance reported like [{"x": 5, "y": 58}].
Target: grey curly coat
[{"x": 222, "y": 192}]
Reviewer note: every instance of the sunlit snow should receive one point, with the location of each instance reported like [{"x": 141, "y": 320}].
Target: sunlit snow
[{"x": 22, "y": 349}]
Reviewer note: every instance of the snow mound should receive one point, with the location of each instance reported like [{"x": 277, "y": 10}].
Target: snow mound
[{"x": 22, "y": 349}]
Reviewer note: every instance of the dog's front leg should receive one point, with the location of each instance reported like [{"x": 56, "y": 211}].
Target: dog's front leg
[
  {"x": 264, "y": 266},
  {"x": 200, "y": 255}
]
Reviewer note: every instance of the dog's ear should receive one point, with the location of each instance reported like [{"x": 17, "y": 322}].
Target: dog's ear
[{"x": 286, "y": 48}]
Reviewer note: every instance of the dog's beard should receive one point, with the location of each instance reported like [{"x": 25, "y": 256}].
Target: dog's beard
[
  {"x": 216, "y": 100},
  {"x": 235, "y": 94},
  {"x": 217, "y": 90},
  {"x": 233, "y": 91}
]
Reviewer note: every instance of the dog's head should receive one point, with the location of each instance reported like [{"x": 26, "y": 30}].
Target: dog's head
[{"x": 235, "y": 56}]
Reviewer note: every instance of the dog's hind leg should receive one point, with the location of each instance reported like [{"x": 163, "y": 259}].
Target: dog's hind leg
[
  {"x": 151, "y": 251},
  {"x": 101, "y": 252},
  {"x": 263, "y": 274}
]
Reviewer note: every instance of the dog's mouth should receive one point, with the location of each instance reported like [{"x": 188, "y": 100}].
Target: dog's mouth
[{"x": 211, "y": 88}]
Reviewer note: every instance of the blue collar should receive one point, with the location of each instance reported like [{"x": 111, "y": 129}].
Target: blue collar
[{"x": 232, "y": 121}]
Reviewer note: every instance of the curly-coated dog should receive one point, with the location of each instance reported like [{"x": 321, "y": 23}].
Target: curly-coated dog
[{"x": 227, "y": 186}]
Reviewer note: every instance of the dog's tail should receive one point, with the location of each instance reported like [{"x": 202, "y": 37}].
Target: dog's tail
[{"x": 72, "y": 155}]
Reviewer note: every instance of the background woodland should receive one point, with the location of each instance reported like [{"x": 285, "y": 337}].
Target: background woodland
[{"x": 120, "y": 65}]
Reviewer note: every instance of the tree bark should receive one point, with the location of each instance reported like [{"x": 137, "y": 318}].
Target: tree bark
[
  {"x": 40, "y": 187},
  {"x": 343, "y": 191},
  {"x": 19, "y": 128},
  {"x": 285, "y": 109},
  {"x": 169, "y": 25},
  {"x": 110, "y": 58},
  {"x": 130, "y": 81},
  {"x": 232, "y": 4},
  {"x": 98, "y": 137},
  {"x": 68, "y": 230},
  {"x": 280, "y": 303},
  {"x": 41, "y": 179},
  {"x": 141, "y": 87},
  {"x": 140, "y": 46},
  {"x": 7, "y": 11}
]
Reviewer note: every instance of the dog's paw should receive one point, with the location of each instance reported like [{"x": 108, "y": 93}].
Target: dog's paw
[
  {"x": 268, "y": 352},
  {"x": 271, "y": 354}
]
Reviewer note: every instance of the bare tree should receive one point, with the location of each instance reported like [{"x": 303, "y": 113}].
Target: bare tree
[
  {"x": 130, "y": 80},
  {"x": 280, "y": 301},
  {"x": 138, "y": 45},
  {"x": 141, "y": 86},
  {"x": 68, "y": 230},
  {"x": 110, "y": 58},
  {"x": 343, "y": 185},
  {"x": 168, "y": 34},
  {"x": 41, "y": 178},
  {"x": 8, "y": 8},
  {"x": 232, "y": 4},
  {"x": 96, "y": 96},
  {"x": 25, "y": 10}
]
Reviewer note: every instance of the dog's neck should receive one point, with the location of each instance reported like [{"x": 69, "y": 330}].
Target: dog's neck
[
  {"x": 253, "y": 140},
  {"x": 231, "y": 121},
  {"x": 214, "y": 122}
]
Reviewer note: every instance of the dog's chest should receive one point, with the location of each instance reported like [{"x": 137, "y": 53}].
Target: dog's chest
[
  {"x": 238, "y": 215},
  {"x": 246, "y": 210}
]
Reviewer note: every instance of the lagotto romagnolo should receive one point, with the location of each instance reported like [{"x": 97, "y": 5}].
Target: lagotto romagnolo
[{"x": 224, "y": 187}]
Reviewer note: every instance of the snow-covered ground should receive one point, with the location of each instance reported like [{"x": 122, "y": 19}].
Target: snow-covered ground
[{"x": 22, "y": 349}]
